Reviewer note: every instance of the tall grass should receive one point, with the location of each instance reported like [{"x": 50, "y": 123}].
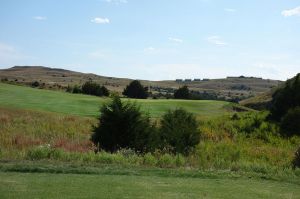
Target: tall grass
[
  {"x": 23, "y": 129},
  {"x": 242, "y": 142}
]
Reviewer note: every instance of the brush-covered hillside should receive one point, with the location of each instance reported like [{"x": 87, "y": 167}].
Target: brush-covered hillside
[{"x": 230, "y": 88}]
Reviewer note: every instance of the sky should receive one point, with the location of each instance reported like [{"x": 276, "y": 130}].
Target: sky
[{"x": 154, "y": 39}]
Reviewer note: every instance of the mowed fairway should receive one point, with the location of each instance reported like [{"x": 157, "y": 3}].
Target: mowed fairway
[
  {"x": 43, "y": 185},
  {"x": 84, "y": 105}
]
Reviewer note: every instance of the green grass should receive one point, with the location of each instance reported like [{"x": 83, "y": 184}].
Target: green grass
[
  {"x": 45, "y": 185},
  {"x": 84, "y": 105}
]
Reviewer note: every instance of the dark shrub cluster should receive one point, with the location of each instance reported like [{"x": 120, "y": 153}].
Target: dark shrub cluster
[
  {"x": 92, "y": 88},
  {"x": 122, "y": 125},
  {"x": 182, "y": 93},
  {"x": 35, "y": 84},
  {"x": 89, "y": 88},
  {"x": 136, "y": 90}
]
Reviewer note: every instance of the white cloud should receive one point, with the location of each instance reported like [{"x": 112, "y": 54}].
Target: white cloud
[
  {"x": 117, "y": 2},
  {"x": 291, "y": 12},
  {"x": 177, "y": 40},
  {"x": 100, "y": 20},
  {"x": 217, "y": 40},
  {"x": 230, "y": 10},
  {"x": 41, "y": 18}
]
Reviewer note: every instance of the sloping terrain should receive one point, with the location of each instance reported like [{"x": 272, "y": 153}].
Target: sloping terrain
[
  {"x": 85, "y": 105},
  {"x": 55, "y": 78}
]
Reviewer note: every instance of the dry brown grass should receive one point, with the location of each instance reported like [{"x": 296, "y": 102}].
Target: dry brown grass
[{"x": 23, "y": 129}]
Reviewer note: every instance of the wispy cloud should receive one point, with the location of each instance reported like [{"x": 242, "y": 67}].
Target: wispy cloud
[
  {"x": 291, "y": 12},
  {"x": 177, "y": 40},
  {"x": 117, "y": 2},
  {"x": 229, "y": 10},
  {"x": 100, "y": 20},
  {"x": 41, "y": 18},
  {"x": 217, "y": 40}
]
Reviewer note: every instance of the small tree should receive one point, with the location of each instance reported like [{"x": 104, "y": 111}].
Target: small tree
[
  {"x": 122, "y": 125},
  {"x": 105, "y": 91},
  {"x": 182, "y": 93},
  {"x": 136, "y": 90},
  {"x": 179, "y": 130}
]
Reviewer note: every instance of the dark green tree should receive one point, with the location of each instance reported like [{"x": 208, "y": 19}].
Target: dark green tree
[
  {"x": 179, "y": 131},
  {"x": 136, "y": 90},
  {"x": 182, "y": 93},
  {"x": 285, "y": 98},
  {"x": 104, "y": 91},
  {"x": 122, "y": 125},
  {"x": 77, "y": 89}
]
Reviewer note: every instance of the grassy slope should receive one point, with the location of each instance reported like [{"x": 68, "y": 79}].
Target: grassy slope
[
  {"x": 83, "y": 105},
  {"x": 44, "y": 185}
]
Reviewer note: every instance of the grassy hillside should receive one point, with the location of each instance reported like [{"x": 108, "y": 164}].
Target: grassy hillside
[
  {"x": 84, "y": 105},
  {"x": 45, "y": 138},
  {"x": 55, "y": 78},
  {"x": 43, "y": 185}
]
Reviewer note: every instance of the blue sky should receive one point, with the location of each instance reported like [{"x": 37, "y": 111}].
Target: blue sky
[{"x": 154, "y": 39}]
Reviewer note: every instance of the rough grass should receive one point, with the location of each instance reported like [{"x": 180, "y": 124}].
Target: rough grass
[
  {"x": 84, "y": 105},
  {"x": 23, "y": 129},
  {"x": 45, "y": 185},
  {"x": 38, "y": 135}
]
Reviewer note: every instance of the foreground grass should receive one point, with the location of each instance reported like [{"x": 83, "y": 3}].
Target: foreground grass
[
  {"x": 25, "y": 134},
  {"x": 47, "y": 185},
  {"x": 84, "y": 105},
  {"x": 23, "y": 129}
]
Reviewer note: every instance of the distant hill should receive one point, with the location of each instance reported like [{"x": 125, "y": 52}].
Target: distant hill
[{"x": 56, "y": 78}]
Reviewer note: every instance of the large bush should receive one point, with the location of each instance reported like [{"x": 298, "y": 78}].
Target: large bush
[
  {"x": 290, "y": 124},
  {"x": 182, "y": 93},
  {"x": 136, "y": 90},
  {"x": 122, "y": 125},
  {"x": 179, "y": 131},
  {"x": 92, "y": 88}
]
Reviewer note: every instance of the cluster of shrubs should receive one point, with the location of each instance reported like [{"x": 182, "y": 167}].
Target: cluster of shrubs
[
  {"x": 89, "y": 88},
  {"x": 123, "y": 125}
]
